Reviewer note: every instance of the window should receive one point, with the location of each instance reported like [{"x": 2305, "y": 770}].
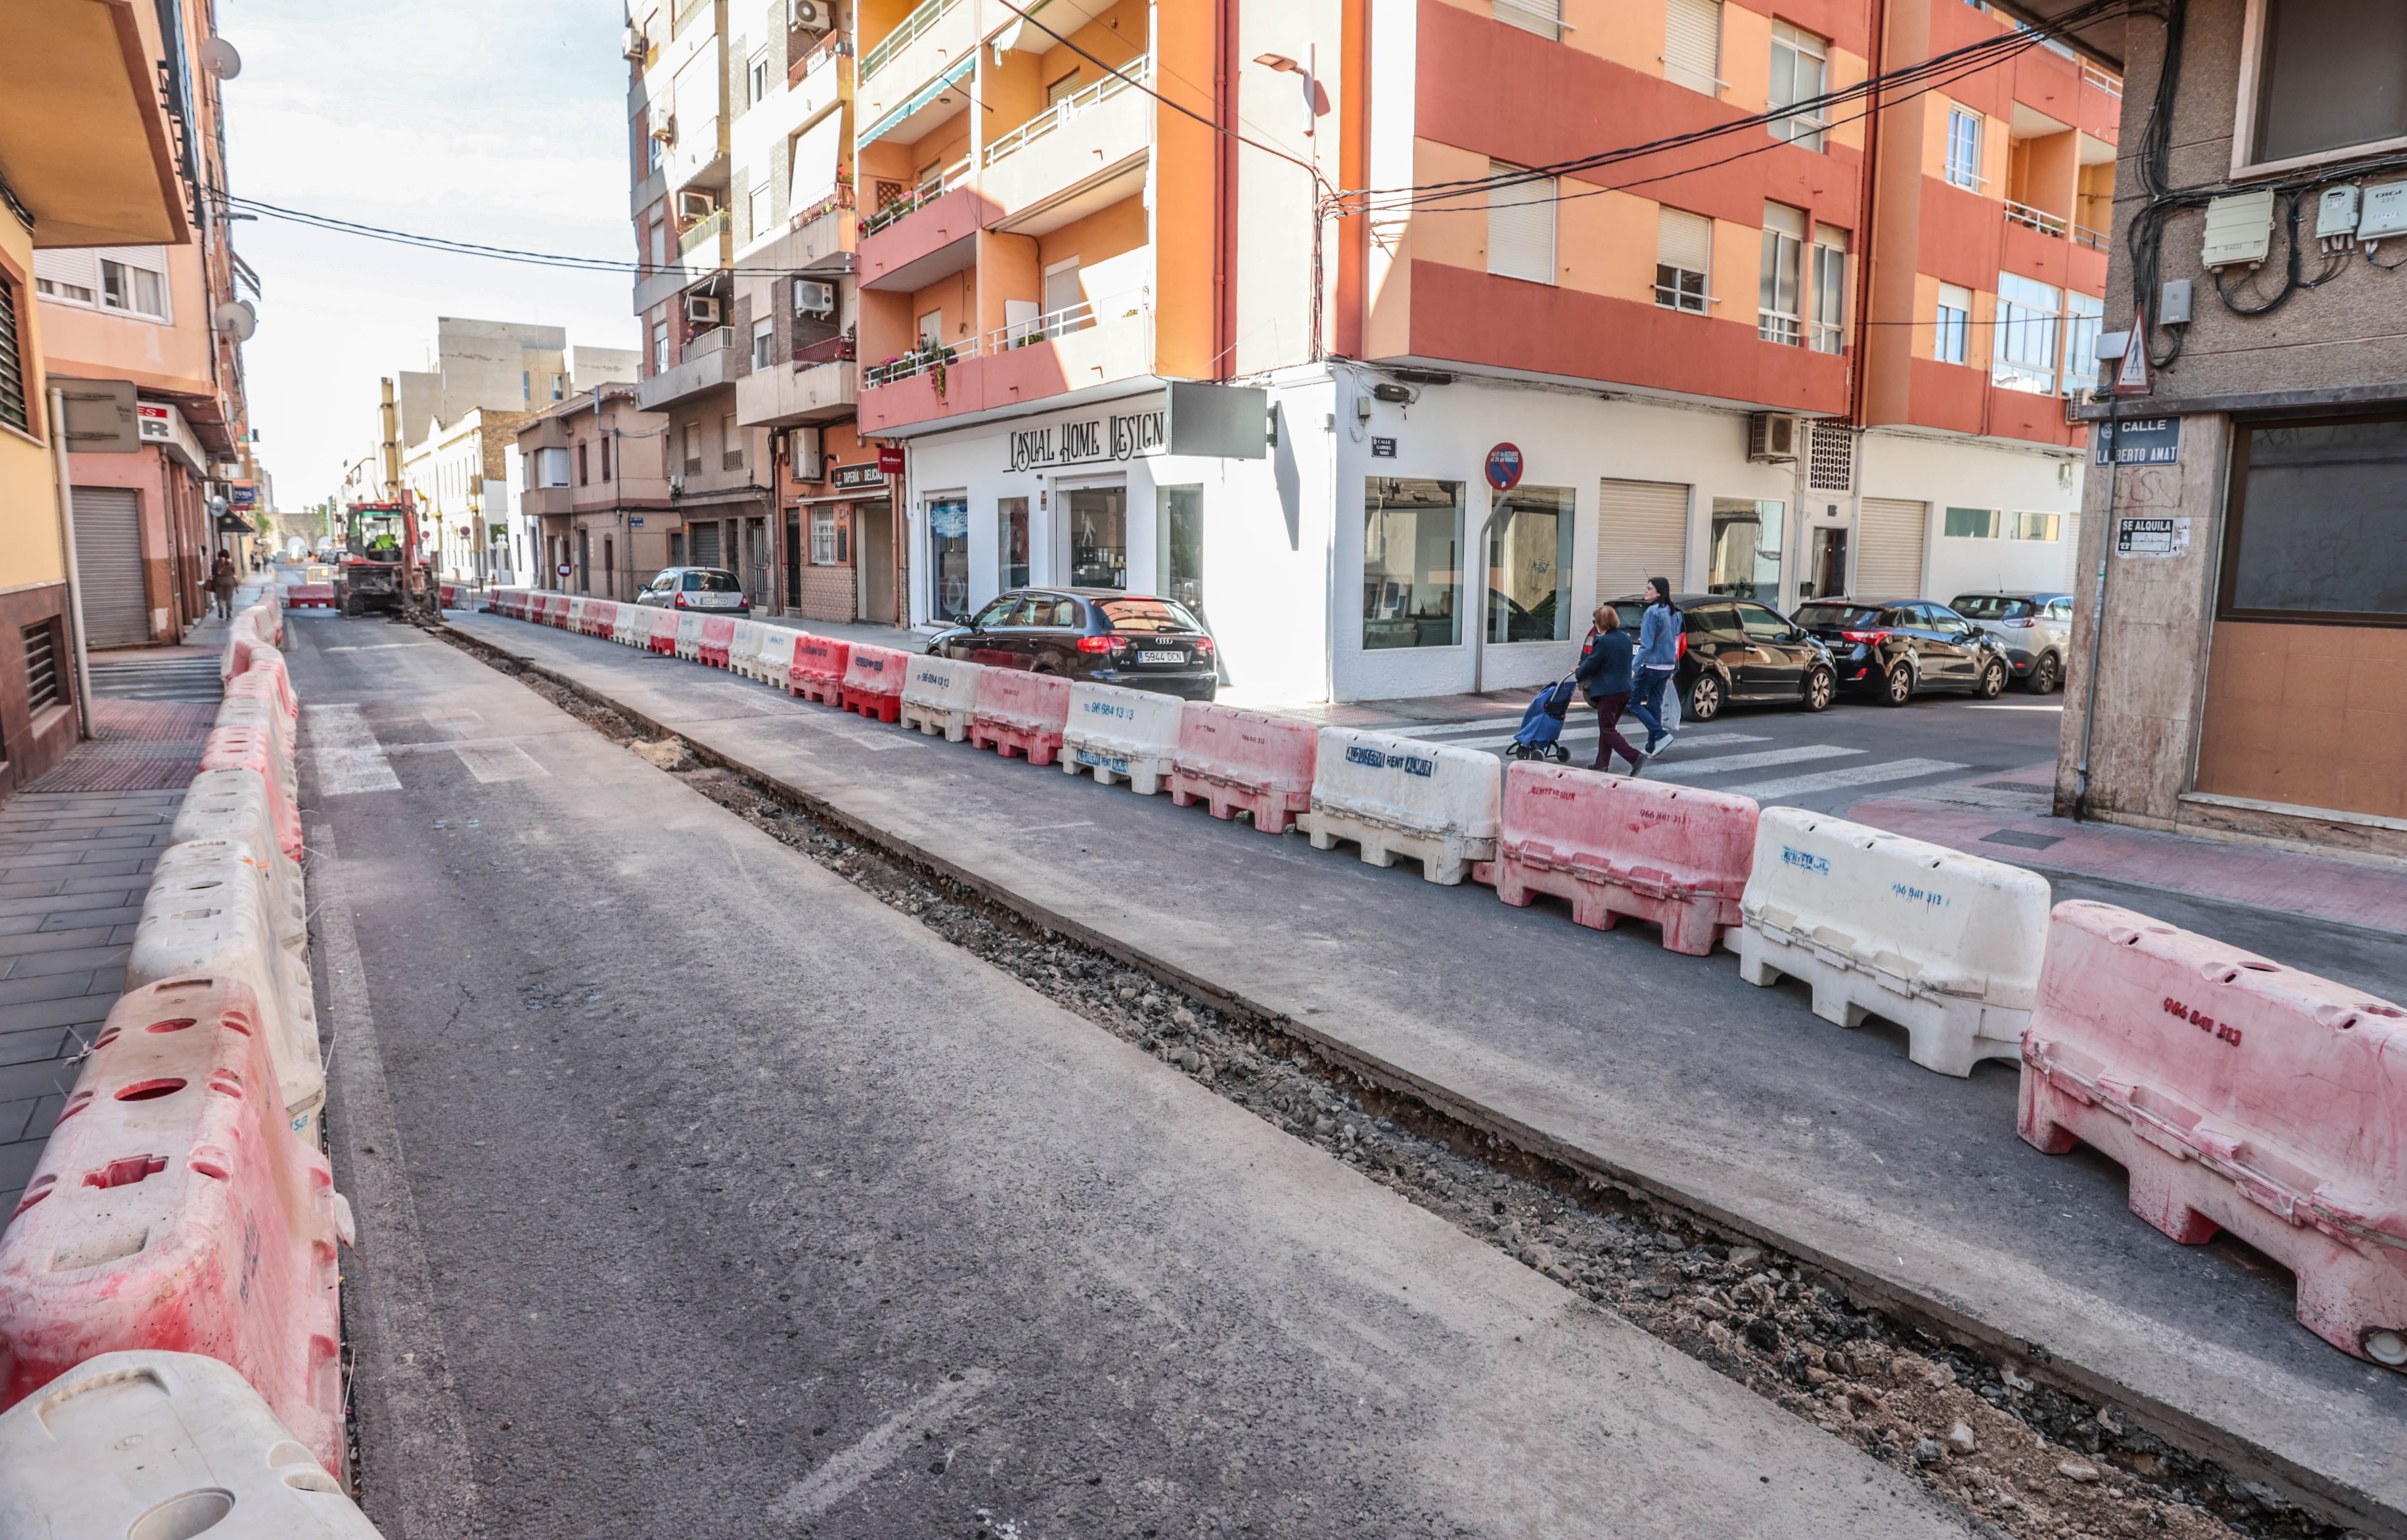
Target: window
[
  {"x": 1529, "y": 566},
  {"x": 731, "y": 444},
  {"x": 1692, "y": 45},
  {"x": 660, "y": 346},
  {"x": 1800, "y": 70},
  {"x": 692, "y": 436},
  {"x": 2027, "y": 322},
  {"x": 667, "y": 583},
  {"x": 757, "y": 213},
  {"x": 1955, "y": 325},
  {"x": 44, "y": 680},
  {"x": 931, "y": 327},
  {"x": 526, "y": 385},
  {"x": 136, "y": 290},
  {"x": 1684, "y": 251},
  {"x": 2035, "y": 526},
  {"x": 1061, "y": 292},
  {"x": 1972, "y": 523},
  {"x": 1411, "y": 566},
  {"x": 1543, "y": 16},
  {"x": 1830, "y": 289},
  {"x": 758, "y": 80},
  {"x": 2082, "y": 316},
  {"x": 1065, "y": 86},
  {"x": 827, "y": 542},
  {"x": 2328, "y": 77},
  {"x": 2317, "y": 530},
  {"x": 1099, "y": 537},
  {"x": 560, "y": 387},
  {"x": 763, "y": 337},
  {"x": 583, "y": 464},
  {"x": 660, "y": 243},
  {"x": 606, "y": 460},
  {"x": 1521, "y": 225},
  {"x": 1762, "y": 624},
  {"x": 1778, "y": 316},
  {"x": 1964, "y": 149},
  {"x": 1747, "y": 537},
  {"x": 1178, "y": 545},
  {"x": 12, "y": 363},
  {"x": 1011, "y": 532}
]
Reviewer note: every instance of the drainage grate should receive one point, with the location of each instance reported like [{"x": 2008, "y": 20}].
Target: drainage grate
[{"x": 2022, "y": 841}]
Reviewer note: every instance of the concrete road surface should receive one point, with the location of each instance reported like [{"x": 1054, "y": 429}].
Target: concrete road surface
[{"x": 699, "y": 1192}]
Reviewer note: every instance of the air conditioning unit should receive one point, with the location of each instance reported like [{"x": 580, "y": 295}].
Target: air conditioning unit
[
  {"x": 814, "y": 298},
  {"x": 696, "y": 204},
  {"x": 633, "y": 44},
  {"x": 808, "y": 15},
  {"x": 665, "y": 130},
  {"x": 676, "y": 486},
  {"x": 1771, "y": 437},
  {"x": 701, "y": 310}
]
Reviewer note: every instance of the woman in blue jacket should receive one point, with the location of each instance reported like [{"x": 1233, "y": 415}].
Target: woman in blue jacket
[
  {"x": 1603, "y": 676},
  {"x": 1657, "y": 656}
]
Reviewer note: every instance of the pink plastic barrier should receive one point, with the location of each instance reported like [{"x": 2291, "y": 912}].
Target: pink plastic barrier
[
  {"x": 1674, "y": 855},
  {"x": 1018, "y": 712},
  {"x": 1243, "y": 762},
  {"x": 248, "y": 748},
  {"x": 173, "y": 1210},
  {"x": 310, "y": 596},
  {"x": 819, "y": 663},
  {"x": 718, "y": 633},
  {"x": 450, "y": 593},
  {"x": 240, "y": 640},
  {"x": 663, "y": 637},
  {"x": 601, "y": 618},
  {"x": 2239, "y": 1095},
  {"x": 267, "y": 664},
  {"x": 873, "y": 681}
]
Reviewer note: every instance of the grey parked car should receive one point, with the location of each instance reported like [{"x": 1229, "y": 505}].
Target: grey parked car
[{"x": 2036, "y": 629}]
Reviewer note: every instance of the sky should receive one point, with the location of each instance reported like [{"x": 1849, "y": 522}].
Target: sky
[{"x": 503, "y": 123}]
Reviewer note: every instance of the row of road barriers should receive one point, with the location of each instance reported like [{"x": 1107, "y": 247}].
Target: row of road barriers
[
  {"x": 170, "y": 1284},
  {"x": 2238, "y": 1095}
]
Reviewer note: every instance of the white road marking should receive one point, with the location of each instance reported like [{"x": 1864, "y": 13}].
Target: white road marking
[
  {"x": 1578, "y": 729},
  {"x": 344, "y": 751},
  {"x": 1732, "y": 764},
  {"x": 2006, "y": 706},
  {"x": 490, "y": 762},
  {"x": 454, "y": 721},
  {"x": 375, "y": 647},
  {"x": 1042, "y": 828},
  {"x": 1855, "y": 774},
  {"x": 883, "y": 1445}
]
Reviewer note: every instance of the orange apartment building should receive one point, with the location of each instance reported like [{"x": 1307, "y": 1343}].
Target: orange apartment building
[
  {"x": 1826, "y": 354},
  {"x": 167, "y": 318}
]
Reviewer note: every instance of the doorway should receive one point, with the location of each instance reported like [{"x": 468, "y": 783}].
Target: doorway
[
  {"x": 609, "y": 567},
  {"x": 875, "y": 525},
  {"x": 948, "y": 558},
  {"x": 584, "y": 560},
  {"x": 793, "y": 558},
  {"x": 1826, "y": 564}
]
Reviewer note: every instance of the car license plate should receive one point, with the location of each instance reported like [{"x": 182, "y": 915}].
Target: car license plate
[{"x": 1161, "y": 657}]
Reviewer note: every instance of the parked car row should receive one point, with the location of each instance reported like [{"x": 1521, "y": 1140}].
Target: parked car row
[{"x": 1888, "y": 650}]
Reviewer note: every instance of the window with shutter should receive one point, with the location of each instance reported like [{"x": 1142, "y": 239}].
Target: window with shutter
[
  {"x": 1642, "y": 531},
  {"x": 1543, "y": 16},
  {"x": 1799, "y": 68},
  {"x": 1955, "y": 325},
  {"x": 1778, "y": 316},
  {"x": 1692, "y": 44},
  {"x": 12, "y": 363},
  {"x": 1830, "y": 289},
  {"x": 1521, "y": 225},
  {"x": 1683, "y": 250}
]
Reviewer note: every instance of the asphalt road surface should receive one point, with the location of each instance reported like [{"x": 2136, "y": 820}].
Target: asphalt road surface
[{"x": 701, "y": 1192}]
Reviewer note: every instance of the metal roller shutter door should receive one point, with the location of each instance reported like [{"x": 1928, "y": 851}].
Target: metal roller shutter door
[
  {"x": 1888, "y": 552},
  {"x": 108, "y": 564},
  {"x": 1642, "y": 531}
]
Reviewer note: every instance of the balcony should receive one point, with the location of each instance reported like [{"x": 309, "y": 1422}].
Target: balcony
[
  {"x": 812, "y": 390},
  {"x": 933, "y": 39},
  {"x": 1077, "y": 348},
  {"x": 547, "y": 502},
  {"x": 1084, "y": 152},
  {"x": 702, "y": 248},
  {"x": 912, "y": 243},
  {"x": 709, "y": 362}
]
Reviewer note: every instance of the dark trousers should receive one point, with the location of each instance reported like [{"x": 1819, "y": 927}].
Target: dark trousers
[{"x": 1609, "y": 740}]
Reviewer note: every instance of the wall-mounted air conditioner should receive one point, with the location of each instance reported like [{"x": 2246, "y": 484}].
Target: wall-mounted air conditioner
[
  {"x": 1771, "y": 437},
  {"x": 701, "y": 310},
  {"x": 809, "y": 15},
  {"x": 697, "y": 202},
  {"x": 814, "y": 298},
  {"x": 634, "y": 45}
]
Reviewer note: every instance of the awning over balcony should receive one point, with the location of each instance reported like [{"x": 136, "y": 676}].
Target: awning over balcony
[{"x": 927, "y": 97}]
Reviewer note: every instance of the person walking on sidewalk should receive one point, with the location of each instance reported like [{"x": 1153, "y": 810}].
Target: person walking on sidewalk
[
  {"x": 1658, "y": 657},
  {"x": 1603, "y": 676},
  {"x": 223, "y": 580}
]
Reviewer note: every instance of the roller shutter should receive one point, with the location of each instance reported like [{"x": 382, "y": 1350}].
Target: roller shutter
[
  {"x": 2071, "y": 551},
  {"x": 1889, "y": 549},
  {"x": 1642, "y": 531},
  {"x": 108, "y": 564}
]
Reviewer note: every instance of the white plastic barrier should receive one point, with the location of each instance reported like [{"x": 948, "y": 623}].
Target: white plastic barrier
[
  {"x": 939, "y": 695},
  {"x": 210, "y": 919},
  {"x": 775, "y": 657},
  {"x": 197, "y": 863},
  {"x": 1946, "y": 944},
  {"x": 260, "y": 710},
  {"x": 1123, "y": 735},
  {"x": 689, "y": 635},
  {"x": 241, "y": 632},
  {"x": 744, "y": 650},
  {"x": 158, "y": 1445},
  {"x": 232, "y": 805},
  {"x": 631, "y": 628},
  {"x": 1397, "y": 796}
]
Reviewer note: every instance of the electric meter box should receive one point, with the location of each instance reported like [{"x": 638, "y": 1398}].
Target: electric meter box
[
  {"x": 2336, "y": 211},
  {"x": 2239, "y": 229},
  {"x": 2384, "y": 213}
]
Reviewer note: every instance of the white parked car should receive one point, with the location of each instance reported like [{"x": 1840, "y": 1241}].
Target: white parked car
[
  {"x": 2036, "y": 629},
  {"x": 714, "y": 589}
]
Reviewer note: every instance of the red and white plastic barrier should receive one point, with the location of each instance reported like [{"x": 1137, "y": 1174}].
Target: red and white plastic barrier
[
  {"x": 257, "y": 707},
  {"x": 310, "y": 596},
  {"x": 233, "y": 806},
  {"x": 449, "y": 594},
  {"x": 717, "y": 639},
  {"x": 939, "y": 694},
  {"x": 1243, "y": 762},
  {"x": 248, "y": 748},
  {"x": 1019, "y": 712},
  {"x": 744, "y": 650},
  {"x": 818, "y": 672},
  {"x": 661, "y": 633},
  {"x": 151, "y": 1443},
  {"x": 267, "y": 663},
  {"x": 873, "y": 681},
  {"x": 1123, "y": 735},
  {"x": 2239, "y": 1095},
  {"x": 688, "y": 635},
  {"x": 268, "y": 621},
  {"x": 1674, "y": 855},
  {"x": 172, "y": 1210},
  {"x": 629, "y": 628},
  {"x": 1397, "y": 796}
]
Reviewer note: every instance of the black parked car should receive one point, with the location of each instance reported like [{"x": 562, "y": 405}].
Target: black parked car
[
  {"x": 1101, "y": 635},
  {"x": 1895, "y": 649},
  {"x": 1736, "y": 650}
]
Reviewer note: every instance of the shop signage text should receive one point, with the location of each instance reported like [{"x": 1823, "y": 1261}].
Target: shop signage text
[
  {"x": 2137, "y": 441},
  {"x": 1093, "y": 440},
  {"x": 854, "y": 477}
]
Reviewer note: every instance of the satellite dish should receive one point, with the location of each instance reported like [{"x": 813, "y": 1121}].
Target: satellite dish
[
  {"x": 219, "y": 58},
  {"x": 235, "y": 318}
]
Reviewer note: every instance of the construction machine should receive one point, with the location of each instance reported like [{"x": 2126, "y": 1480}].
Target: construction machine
[{"x": 381, "y": 565}]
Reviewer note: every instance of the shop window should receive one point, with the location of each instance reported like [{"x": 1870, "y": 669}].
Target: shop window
[
  {"x": 1951, "y": 341},
  {"x": 1412, "y": 562},
  {"x": 2317, "y": 530},
  {"x": 1529, "y": 566},
  {"x": 1178, "y": 545},
  {"x": 2035, "y": 526},
  {"x": 1747, "y": 537},
  {"x": 1099, "y": 537},
  {"x": 2328, "y": 74},
  {"x": 1011, "y": 533},
  {"x": 1970, "y": 524},
  {"x": 948, "y": 558}
]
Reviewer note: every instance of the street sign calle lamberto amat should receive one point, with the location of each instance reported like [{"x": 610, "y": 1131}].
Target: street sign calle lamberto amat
[{"x": 2137, "y": 441}]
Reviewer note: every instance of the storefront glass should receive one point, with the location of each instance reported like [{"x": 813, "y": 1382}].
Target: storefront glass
[
  {"x": 1178, "y": 542},
  {"x": 1747, "y": 542},
  {"x": 1011, "y": 525},
  {"x": 1099, "y": 537},
  {"x": 1529, "y": 566},
  {"x": 948, "y": 557},
  {"x": 1412, "y": 568}
]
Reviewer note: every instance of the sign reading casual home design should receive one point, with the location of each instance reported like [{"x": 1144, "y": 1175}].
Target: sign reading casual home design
[
  {"x": 1089, "y": 441},
  {"x": 2151, "y": 537},
  {"x": 2137, "y": 441},
  {"x": 854, "y": 477}
]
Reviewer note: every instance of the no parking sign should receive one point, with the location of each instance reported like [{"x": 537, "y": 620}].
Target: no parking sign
[{"x": 1504, "y": 467}]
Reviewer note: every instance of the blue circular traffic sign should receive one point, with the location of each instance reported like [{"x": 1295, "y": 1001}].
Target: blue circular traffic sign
[{"x": 1504, "y": 467}]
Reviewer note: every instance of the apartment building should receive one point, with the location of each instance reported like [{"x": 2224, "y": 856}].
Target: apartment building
[
  {"x": 1825, "y": 353},
  {"x": 168, "y": 318},
  {"x": 593, "y": 489},
  {"x": 2248, "y": 598},
  {"x": 86, "y": 161}
]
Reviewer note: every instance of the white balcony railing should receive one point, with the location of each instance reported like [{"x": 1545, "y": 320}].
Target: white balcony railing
[
  {"x": 929, "y": 192},
  {"x": 1130, "y": 306},
  {"x": 901, "y": 37},
  {"x": 708, "y": 228},
  {"x": 2093, "y": 239},
  {"x": 912, "y": 364},
  {"x": 1068, "y": 107},
  {"x": 2037, "y": 219},
  {"x": 2092, "y": 76}
]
